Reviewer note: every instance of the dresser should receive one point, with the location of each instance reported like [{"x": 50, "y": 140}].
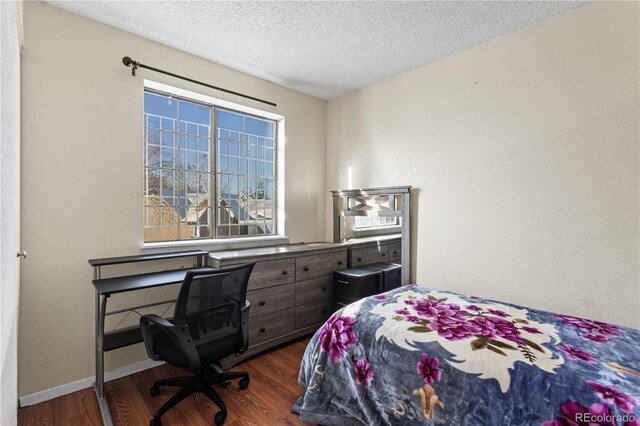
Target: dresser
[
  {"x": 290, "y": 290},
  {"x": 365, "y": 251}
]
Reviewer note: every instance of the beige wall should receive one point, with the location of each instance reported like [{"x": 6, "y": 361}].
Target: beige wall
[
  {"x": 524, "y": 151},
  {"x": 82, "y": 175}
]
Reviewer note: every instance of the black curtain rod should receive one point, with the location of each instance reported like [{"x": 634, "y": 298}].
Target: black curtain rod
[{"x": 128, "y": 62}]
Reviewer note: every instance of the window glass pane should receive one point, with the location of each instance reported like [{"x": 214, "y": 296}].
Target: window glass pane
[
  {"x": 153, "y": 121},
  {"x": 192, "y": 142},
  {"x": 195, "y": 114},
  {"x": 160, "y": 105},
  {"x": 223, "y": 147},
  {"x": 223, "y": 164},
  {"x": 229, "y": 120},
  {"x": 167, "y": 138},
  {"x": 179, "y": 201},
  {"x": 259, "y": 127},
  {"x": 153, "y": 137},
  {"x": 168, "y": 124},
  {"x": 233, "y": 148},
  {"x": 203, "y": 144}
]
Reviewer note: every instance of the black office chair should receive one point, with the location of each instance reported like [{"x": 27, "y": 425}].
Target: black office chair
[{"x": 210, "y": 322}]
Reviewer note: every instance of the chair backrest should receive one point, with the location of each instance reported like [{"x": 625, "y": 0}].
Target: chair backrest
[{"x": 210, "y": 303}]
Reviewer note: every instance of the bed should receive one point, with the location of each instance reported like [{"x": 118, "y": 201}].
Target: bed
[{"x": 419, "y": 356}]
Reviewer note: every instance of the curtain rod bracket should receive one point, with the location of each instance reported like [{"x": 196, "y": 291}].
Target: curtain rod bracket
[{"x": 128, "y": 62}]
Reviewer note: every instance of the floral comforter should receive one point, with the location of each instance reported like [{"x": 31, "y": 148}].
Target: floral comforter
[{"x": 418, "y": 356}]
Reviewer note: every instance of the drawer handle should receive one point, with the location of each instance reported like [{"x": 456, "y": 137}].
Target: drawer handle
[
  {"x": 339, "y": 262},
  {"x": 343, "y": 282},
  {"x": 395, "y": 252},
  {"x": 285, "y": 272},
  {"x": 324, "y": 288},
  {"x": 263, "y": 329},
  {"x": 324, "y": 310},
  {"x": 359, "y": 259},
  {"x": 262, "y": 303},
  {"x": 306, "y": 268},
  {"x": 384, "y": 254}
]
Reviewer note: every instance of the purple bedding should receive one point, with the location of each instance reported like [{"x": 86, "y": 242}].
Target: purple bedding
[{"x": 418, "y": 356}]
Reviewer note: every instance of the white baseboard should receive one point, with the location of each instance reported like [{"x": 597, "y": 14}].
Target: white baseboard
[{"x": 68, "y": 388}]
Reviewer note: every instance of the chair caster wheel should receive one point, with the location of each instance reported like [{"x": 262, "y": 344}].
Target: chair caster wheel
[
  {"x": 244, "y": 383},
  {"x": 154, "y": 391},
  {"x": 155, "y": 422},
  {"x": 220, "y": 417}
]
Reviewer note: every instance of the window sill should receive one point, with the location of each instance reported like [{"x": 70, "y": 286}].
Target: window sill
[{"x": 216, "y": 245}]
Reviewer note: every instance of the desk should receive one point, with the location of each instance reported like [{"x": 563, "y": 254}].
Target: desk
[{"x": 106, "y": 287}]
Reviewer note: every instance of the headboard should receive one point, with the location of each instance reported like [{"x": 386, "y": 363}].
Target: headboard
[{"x": 392, "y": 202}]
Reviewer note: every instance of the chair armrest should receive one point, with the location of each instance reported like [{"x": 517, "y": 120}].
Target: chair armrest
[
  {"x": 179, "y": 334},
  {"x": 244, "y": 317}
]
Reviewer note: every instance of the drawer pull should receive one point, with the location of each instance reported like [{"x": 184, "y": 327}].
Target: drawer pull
[
  {"x": 359, "y": 259},
  {"x": 343, "y": 282},
  {"x": 324, "y": 288},
  {"x": 285, "y": 272},
  {"x": 339, "y": 262},
  {"x": 384, "y": 254},
  {"x": 306, "y": 268},
  {"x": 263, "y": 329},
  {"x": 324, "y": 310},
  {"x": 262, "y": 303},
  {"x": 395, "y": 252}
]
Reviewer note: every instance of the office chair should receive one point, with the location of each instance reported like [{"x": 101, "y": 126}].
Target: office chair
[{"x": 209, "y": 323}]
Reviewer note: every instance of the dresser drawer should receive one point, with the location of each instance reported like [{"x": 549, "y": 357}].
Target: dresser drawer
[
  {"x": 370, "y": 254},
  {"x": 267, "y": 300},
  {"x": 308, "y": 267},
  {"x": 313, "y": 313},
  {"x": 313, "y": 290},
  {"x": 395, "y": 252},
  {"x": 272, "y": 272},
  {"x": 270, "y": 326}
]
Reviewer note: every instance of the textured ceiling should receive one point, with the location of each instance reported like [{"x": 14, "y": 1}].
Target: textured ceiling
[{"x": 322, "y": 48}]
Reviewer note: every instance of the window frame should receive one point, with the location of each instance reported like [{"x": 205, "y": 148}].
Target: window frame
[{"x": 228, "y": 242}]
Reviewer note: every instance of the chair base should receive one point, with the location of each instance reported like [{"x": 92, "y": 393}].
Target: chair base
[{"x": 197, "y": 384}]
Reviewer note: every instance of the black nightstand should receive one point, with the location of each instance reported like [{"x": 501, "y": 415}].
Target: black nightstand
[
  {"x": 350, "y": 285},
  {"x": 391, "y": 274}
]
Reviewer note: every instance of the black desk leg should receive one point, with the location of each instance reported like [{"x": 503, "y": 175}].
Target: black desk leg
[{"x": 98, "y": 387}]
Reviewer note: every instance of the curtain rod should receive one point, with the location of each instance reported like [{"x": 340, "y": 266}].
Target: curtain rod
[{"x": 128, "y": 62}]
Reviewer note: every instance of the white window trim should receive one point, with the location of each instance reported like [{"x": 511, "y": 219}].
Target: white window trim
[{"x": 231, "y": 243}]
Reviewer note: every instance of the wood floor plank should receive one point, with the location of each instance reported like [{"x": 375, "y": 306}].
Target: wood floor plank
[{"x": 267, "y": 401}]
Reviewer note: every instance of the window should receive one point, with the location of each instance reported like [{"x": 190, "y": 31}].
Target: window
[{"x": 209, "y": 171}]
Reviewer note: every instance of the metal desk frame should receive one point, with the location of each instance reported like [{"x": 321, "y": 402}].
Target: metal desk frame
[{"x": 131, "y": 335}]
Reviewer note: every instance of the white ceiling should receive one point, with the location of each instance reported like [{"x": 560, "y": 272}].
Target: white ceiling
[{"x": 322, "y": 48}]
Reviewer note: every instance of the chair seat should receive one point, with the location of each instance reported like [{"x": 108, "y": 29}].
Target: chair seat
[{"x": 171, "y": 353}]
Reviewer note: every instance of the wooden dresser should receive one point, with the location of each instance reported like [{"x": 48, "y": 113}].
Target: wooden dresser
[
  {"x": 290, "y": 290},
  {"x": 365, "y": 251}
]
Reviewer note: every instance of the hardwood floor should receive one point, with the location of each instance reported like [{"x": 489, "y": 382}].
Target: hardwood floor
[{"x": 268, "y": 400}]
